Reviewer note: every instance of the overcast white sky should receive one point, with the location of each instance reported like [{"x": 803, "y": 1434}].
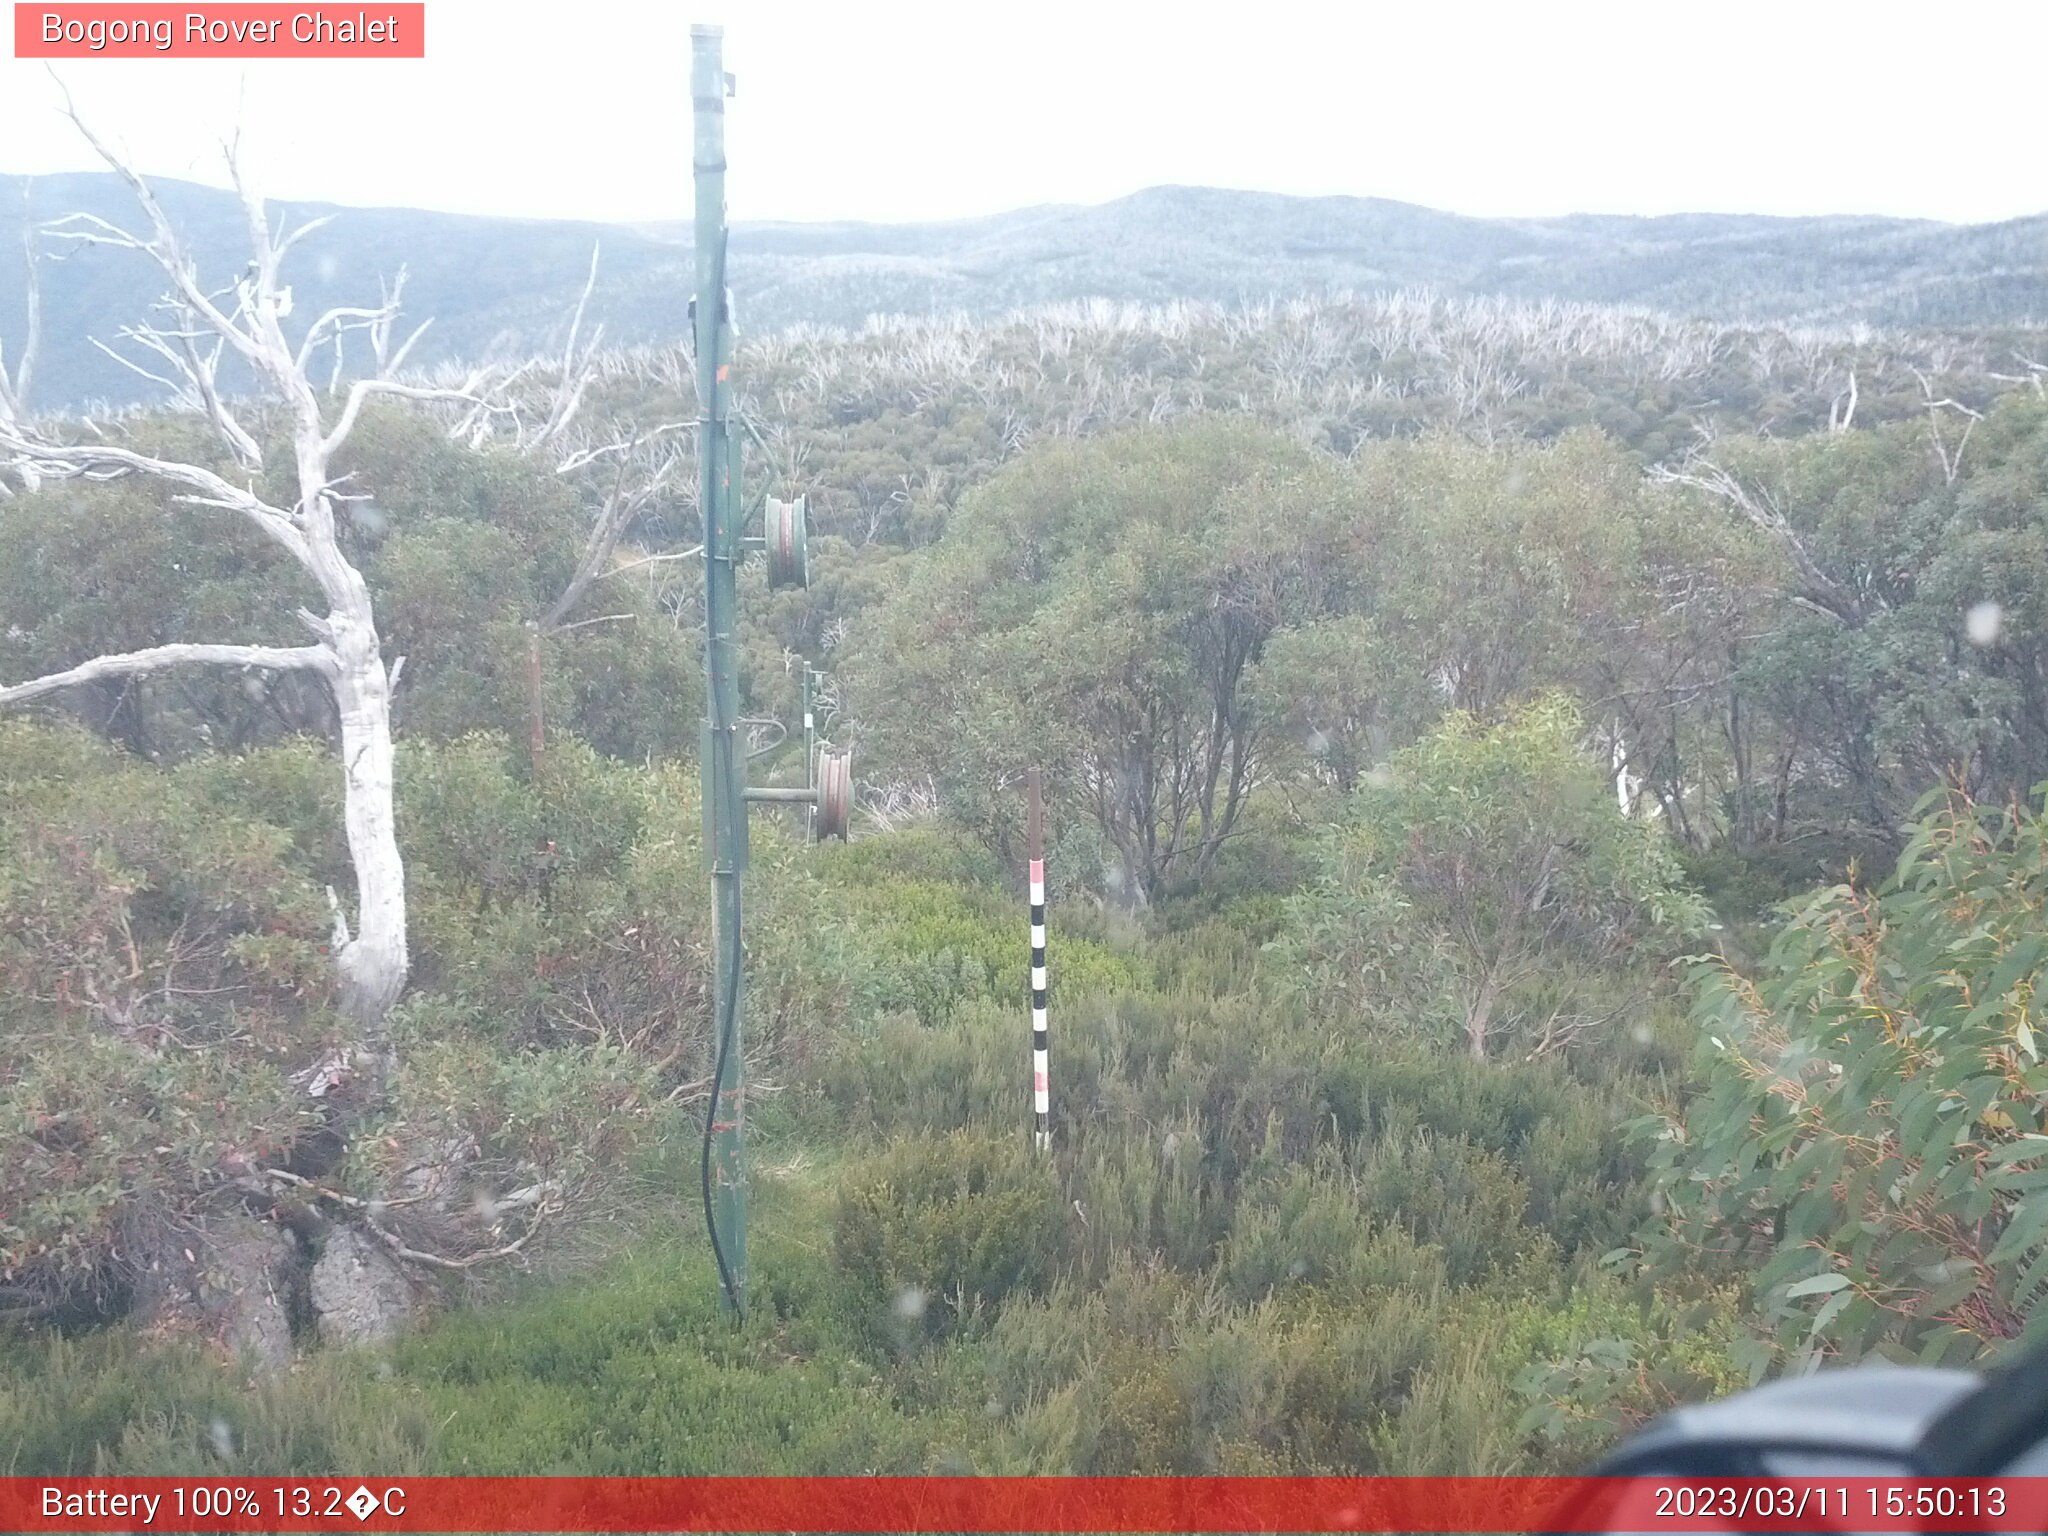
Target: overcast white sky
[{"x": 897, "y": 110}]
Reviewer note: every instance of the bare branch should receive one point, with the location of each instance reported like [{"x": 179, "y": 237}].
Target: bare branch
[
  {"x": 627, "y": 499},
  {"x": 633, "y": 565},
  {"x": 25, "y": 370},
  {"x": 543, "y": 1200},
  {"x": 177, "y": 389},
  {"x": 94, "y": 230},
  {"x": 583, "y": 458},
  {"x": 14, "y": 392},
  {"x": 104, "y": 461},
  {"x": 604, "y": 618},
  {"x": 1951, "y": 459},
  {"x": 204, "y": 373},
  {"x": 341, "y": 934},
  {"x": 1820, "y": 591},
  {"x": 1842, "y": 410},
  {"x": 284, "y": 246},
  {"x": 333, "y": 323},
  {"x": 157, "y": 658},
  {"x": 363, "y": 389},
  {"x": 577, "y": 372},
  {"x": 387, "y": 367},
  {"x": 253, "y": 327},
  {"x": 618, "y": 508},
  {"x": 165, "y": 247}
]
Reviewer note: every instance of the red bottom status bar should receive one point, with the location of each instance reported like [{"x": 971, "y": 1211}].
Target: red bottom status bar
[{"x": 1023, "y": 1504}]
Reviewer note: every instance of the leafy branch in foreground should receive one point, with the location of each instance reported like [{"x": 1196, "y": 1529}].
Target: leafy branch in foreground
[{"x": 1872, "y": 1126}]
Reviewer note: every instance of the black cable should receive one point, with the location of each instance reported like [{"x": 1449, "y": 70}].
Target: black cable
[{"x": 725, "y": 1020}]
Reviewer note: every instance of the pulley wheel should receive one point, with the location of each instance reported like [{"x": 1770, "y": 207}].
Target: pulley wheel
[
  {"x": 835, "y": 793},
  {"x": 784, "y": 532}
]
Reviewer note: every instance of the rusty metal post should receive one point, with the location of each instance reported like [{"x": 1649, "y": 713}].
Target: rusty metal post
[{"x": 536, "y": 726}]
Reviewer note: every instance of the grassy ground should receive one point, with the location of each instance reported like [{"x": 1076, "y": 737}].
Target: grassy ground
[{"x": 632, "y": 1370}]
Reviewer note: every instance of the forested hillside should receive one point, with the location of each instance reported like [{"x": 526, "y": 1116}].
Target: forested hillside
[
  {"x": 1546, "y": 898},
  {"x": 506, "y": 285}
]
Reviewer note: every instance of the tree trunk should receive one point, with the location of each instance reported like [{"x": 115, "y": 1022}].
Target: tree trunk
[
  {"x": 1479, "y": 1018},
  {"x": 374, "y": 962},
  {"x": 536, "y": 723}
]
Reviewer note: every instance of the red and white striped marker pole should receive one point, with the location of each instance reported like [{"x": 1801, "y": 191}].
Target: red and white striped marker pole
[{"x": 1041, "y": 1087}]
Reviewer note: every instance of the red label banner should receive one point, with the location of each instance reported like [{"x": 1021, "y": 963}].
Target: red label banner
[
  {"x": 1002, "y": 1504},
  {"x": 240, "y": 31}
]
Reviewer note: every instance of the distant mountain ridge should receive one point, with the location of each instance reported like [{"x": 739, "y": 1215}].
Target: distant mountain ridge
[{"x": 509, "y": 284}]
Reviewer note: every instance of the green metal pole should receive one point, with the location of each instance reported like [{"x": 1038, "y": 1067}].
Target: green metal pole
[{"x": 725, "y": 812}]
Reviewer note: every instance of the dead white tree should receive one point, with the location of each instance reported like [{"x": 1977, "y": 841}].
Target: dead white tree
[
  {"x": 643, "y": 466},
  {"x": 1951, "y": 458},
  {"x": 14, "y": 389},
  {"x": 245, "y": 323},
  {"x": 579, "y": 369},
  {"x": 1842, "y": 409},
  {"x": 1759, "y": 507}
]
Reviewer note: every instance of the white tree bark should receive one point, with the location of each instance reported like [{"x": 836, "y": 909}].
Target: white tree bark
[
  {"x": 373, "y": 961},
  {"x": 133, "y": 663},
  {"x": 14, "y": 388}
]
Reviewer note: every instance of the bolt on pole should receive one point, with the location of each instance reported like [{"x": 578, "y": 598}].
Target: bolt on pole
[{"x": 725, "y": 812}]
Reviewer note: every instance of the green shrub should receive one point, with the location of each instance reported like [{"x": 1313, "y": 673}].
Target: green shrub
[
  {"x": 1610, "y": 1355},
  {"x": 1472, "y": 894},
  {"x": 1143, "y": 1417},
  {"x": 112, "y": 1404},
  {"x": 1308, "y": 1229},
  {"x": 165, "y": 974},
  {"x": 935, "y": 1230}
]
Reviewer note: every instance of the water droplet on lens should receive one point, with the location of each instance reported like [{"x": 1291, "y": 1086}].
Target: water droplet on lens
[{"x": 1984, "y": 623}]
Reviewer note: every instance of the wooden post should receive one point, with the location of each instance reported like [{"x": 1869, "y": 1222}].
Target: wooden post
[
  {"x": 536, "y": 728},
  {"x": 810, "y": 757}
]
